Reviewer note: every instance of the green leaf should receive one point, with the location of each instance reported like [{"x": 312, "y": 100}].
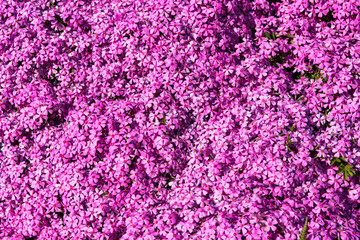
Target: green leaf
[
  {"x": 348, "y": 171},
  {"x": 273, "y": 35},
  {"x": 335, "y": 160},
  {"x": 292, "y": 128},
  {"x": 345, "y": 176},
  {"x": 163, "y": 122},
  {"x": 340, "y": 171},
  {"x": 348, "y": 167},
  {"x": 344, "y": 168},
  {"x": 267, "y": 35},
  {"x": 304, "y": 230}
]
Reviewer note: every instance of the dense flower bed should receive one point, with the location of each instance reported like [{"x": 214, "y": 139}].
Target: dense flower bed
[{"x": 174, "y": 119}]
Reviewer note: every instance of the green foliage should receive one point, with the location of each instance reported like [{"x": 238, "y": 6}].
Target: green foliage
[
  {"x": 313, "y": 153},
  {"x": 53, "y": 79},
  {"x": 275, "y": 60},
  {"x": 315, "y": 73},
  {"x": 304, "y": 230},
  {"x": 326, "y": 110},
  {"x": 344, "y": 168},
  {"x": 288, "y": 142},
  {"x": 298, "y": 97},
  {"x": 163, "y": 122},
  {"x": 52, "y": 4},
  {"x": 270, "y": 36},
  {"x": 267, "y": 35},
  {"x": 105, "y": 194},
  {"x": 292, "y": 128},
  {"x": 290, "y": 145}
]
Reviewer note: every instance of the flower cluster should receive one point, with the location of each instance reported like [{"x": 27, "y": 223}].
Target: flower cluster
[{"x": 179, "y": 119}]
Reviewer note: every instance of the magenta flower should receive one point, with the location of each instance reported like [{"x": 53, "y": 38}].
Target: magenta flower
[{"x": 179, "y": 119}]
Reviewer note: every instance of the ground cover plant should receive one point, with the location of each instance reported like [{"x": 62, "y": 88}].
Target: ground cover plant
[{"x": 177, "y": 119}]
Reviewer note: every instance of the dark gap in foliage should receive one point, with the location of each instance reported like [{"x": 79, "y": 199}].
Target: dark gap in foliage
[{"x": 328, "y": 17}]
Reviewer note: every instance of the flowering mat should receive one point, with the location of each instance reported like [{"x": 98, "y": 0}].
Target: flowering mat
[{"x": 179, "y": 119}]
